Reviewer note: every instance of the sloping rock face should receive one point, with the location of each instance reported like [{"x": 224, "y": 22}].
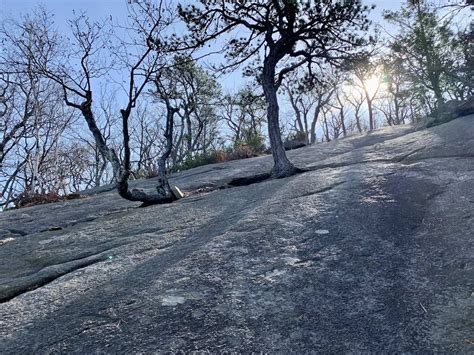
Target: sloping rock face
[
  {"x": 451, "y": 110},
  {"x": 370, "y": 250}
]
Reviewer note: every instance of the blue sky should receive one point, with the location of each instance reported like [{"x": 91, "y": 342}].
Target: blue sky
[{"x": 62, "y": 9}]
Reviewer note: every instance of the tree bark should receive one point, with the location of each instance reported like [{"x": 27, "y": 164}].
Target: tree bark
[
  {"x": 342, "y": 115},
  {"x": 162, "y": 195},
  {"x": 371, "y": 112},
  {"x": 343, "y": 122},
  {"x": 163, "y": 188},
  {"x": 297, "y": 111},
  {"x": 282, "y": 166},
  {"x": 313, "y": 123},
  {"x": 107, "y": 153},
  {"x": 357, "y": 117}
]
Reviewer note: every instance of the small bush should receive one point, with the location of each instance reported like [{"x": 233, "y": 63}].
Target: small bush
[
  {"x": 295, "y": 140},
  {"x": 219, "y": 156},
  {"x": 146, "y": 173},
  {"x": 242, "y": 152},
  {"x": 255, "y": 141},
  {"x": 27, "y": 199},
  {"x": 298, "y": 136},
  {"x": 191, "y": 162}
]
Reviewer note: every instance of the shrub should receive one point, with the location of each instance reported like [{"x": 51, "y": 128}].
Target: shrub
[
  {"x": 148, "y": 173},
  {"x": 298, "y": 136},
  {"x": 219, "y": 156},
  {"x": 200, "y": 159},
  {"x": 295, "y": 140},
  {"x": 255, "y": 141},
  {"x": 242, "y": 152},
  {"x": 27, "y": 199}
]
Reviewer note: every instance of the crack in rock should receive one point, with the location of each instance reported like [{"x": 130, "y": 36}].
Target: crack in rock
[
  {"x": 9, "y": 293},
  {"x": 324, "y": 189},
  {"x": 50, "y": 273},
  {"x": 249, "y": 180}
]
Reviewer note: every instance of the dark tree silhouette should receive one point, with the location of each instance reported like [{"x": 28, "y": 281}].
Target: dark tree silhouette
[{"x": 276, "y": 37}]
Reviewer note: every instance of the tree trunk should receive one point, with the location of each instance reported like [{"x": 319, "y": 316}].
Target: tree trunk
[
  {"x": 189, "y": 132},
  {"x": 306, "y": 130},
  {"x": 357, "y": 118},
  {"x": 371, "y": 113},
  {"x": 107, "y": 153},
  {"x": 163, "y": 187},
  {"x": 174, "y": 155},
  {"x": 282, "y": 166},
  {"x": 396, "y": 104},
  {"x": 343, "y": 122},
  {"x": 313, "y": 124},
  {"x": 299, "y": 122},
  {"x": 326, "y": 128},
  {"x": 341, "y": 115},
  {"x": 162, "y": 195},
  {"x": 437, "y": 91}
]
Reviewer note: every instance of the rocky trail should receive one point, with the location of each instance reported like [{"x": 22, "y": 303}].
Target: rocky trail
[{"x": 370, "y": 250}]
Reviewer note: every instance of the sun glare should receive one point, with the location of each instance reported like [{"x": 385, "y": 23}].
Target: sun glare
[{"x": 372, "y": 85}]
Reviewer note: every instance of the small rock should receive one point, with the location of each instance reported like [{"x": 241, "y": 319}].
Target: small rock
[
  {"x": 172, "y": 300},
  {"x": 177, "y": 192},
  {"x": 322, "y": 231},
  {"x": 6, "y": 240},
  {"x": 272, "y": 275}
]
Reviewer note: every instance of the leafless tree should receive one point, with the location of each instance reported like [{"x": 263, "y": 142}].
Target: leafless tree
[
  {"x": 82, "y": 62},
  {"x": 308, "y": 99},
  {"x": 366, "y": 77},
  {"x": 355, "y": 99},
  {"x": 244, "y": 115},
  {"x": 340, "y": 106},
  {"x": 33, "y": 116},
  {"x": 166, "y": 92},
  {"x": 146, "y": 134}
]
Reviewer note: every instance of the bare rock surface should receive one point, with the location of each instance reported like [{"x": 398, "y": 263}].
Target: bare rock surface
[{"x": 372, "y": 250}]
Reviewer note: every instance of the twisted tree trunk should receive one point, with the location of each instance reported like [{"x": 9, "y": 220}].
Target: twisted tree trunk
[
  {"x": 282, "y": 166},
  {"x": 163, "y": 191}
]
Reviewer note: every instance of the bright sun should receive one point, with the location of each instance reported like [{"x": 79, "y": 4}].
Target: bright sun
[{"x": 372, "y": 85}]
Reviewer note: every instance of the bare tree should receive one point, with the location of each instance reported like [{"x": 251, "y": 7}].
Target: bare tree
[
  {"x": 76, "y": 76},
  {"x": 244, "y": 114},
  {"x": 341, "y": 110},
  {"x": 302, "y": 104},
  {"x": 146, "y": 133},
  {"x": 166, "y": 92},
  {"x": 308, "y": 98},
  {"x": 33, "y": 117},
  {"x": 367, "y": 78},
  {"x": 356, "y": 99}
]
